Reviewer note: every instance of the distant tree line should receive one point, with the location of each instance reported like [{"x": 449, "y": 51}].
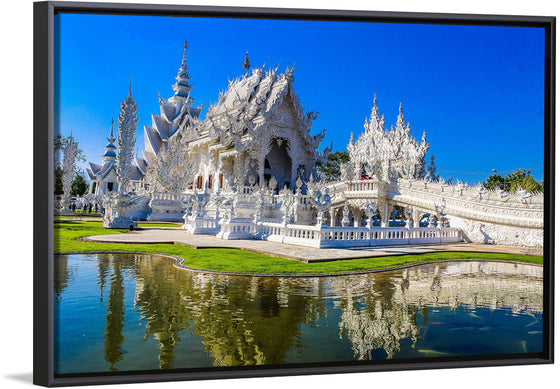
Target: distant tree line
[
  {"x": 79, "y": 185},
  {"x": 520, "y": 179}
]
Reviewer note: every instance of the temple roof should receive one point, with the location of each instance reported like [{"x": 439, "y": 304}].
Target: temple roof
[
  {"x": 254, "y": 95},
  {"x": 99, "y": 172},
  {"x": 253, "y": 99},
  {"x": 109, "y": 153},
  {"x": 175, "y": 112},
  {"x": 141, "y": 164},
  {"x": 135, "y": 173}
]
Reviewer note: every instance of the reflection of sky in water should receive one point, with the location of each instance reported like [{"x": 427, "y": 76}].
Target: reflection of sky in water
[{"x": 134, "y": 312}]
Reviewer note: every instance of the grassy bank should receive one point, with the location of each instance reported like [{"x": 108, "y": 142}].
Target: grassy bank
[{"x": 232, "y": 260}]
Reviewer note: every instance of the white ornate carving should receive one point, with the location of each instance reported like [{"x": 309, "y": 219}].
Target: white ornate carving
[
  {"x": 387, "y": 155},
  {"x": 70, "y": 152},
  {"x": 171, "y": 170},
  {"x": 126, "y": 141}
]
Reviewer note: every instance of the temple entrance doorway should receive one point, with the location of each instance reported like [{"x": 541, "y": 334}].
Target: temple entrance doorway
[{"x": 278, "y": 163}]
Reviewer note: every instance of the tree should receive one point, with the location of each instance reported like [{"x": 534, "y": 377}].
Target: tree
[
  {"x": 432, "y": 168},
  {"x": 331, "y": 170},
  {"x": 530, "y": 185},
  {"x": 79, "y": 186},
  {"x": 495, "y": 181},
  {"x": 520, "y": 179}
]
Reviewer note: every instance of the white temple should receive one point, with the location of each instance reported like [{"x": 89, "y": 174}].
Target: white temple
[
  {"x": 257, "y": 130},
  {"x": 248, "y": 171}
]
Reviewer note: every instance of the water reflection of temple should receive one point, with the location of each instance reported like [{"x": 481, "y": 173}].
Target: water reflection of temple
[
  {"x": 247, "y": 321},
  {"x": 378, "y": 311},
  {"x": 489, "y": 284},
  {"x": 261, "y": 320}
]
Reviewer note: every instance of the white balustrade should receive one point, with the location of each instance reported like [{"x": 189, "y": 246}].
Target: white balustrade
[{"x": 334, "y": 237}]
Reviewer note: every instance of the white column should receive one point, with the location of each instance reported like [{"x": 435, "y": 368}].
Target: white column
[
  {"x": 416, "y": 214},
  {"x": 357, "y": 212},
  {"x": 384, "y": 214}
]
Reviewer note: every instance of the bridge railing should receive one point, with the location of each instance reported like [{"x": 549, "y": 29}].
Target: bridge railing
[
  {"x": 361, "y": 186},
  {"x": 181, "y": 197},
  {"x": 333, "y": 237},
  {"x": 456, "y": 191}
]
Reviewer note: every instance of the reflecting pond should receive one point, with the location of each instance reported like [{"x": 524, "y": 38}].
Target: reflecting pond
[{"x": 124, "y": 312}]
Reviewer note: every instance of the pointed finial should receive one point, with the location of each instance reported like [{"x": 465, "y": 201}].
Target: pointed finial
[
  {"x": 111, "y": 137},
  {"x": 184, "y": 61},
  {"x": 290, "y": 72},
  {"x": 374, "y": 109},
  {"x": 130, "y": 86},
  {"x": 246, "y": 63},
  {"x": 400, "y": 108}
]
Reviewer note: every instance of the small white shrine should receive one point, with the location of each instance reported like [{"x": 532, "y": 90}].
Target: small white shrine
[{"x": 103, "y": 178}]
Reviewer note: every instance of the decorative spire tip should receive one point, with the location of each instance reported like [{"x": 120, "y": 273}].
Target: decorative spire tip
[{"x": 246, "y": 63}]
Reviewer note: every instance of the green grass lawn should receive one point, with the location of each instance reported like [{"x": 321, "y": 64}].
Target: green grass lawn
[
  {"x": 78, "y": 215},
  {"x": 140, "y": 224},
  {"x": 66, "y": 233}
]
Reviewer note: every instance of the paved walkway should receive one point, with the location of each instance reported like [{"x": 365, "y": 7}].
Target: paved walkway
[{"x": 300, "y": 253}]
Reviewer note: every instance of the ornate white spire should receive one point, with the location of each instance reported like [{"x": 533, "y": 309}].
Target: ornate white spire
[
  {"x": 388, "y": 154},
  {"x": 182, "y": 86},
  {"x": 290, "y": 72},
  {"x": 375, "y": 109},
  {"x": 400, "y": 120},
  {"x": 126, "y": 141},
  {"x": 246, "y": 63},
  {"x": 69, "y": 165},
  {"x": 111, "y": 138},
  {"x": 110, "y": 154}
]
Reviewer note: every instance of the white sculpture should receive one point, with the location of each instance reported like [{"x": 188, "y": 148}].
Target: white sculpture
[
  {"x": 171, "y": 170},
  {"x": 322, "y": 201},
  {"x": 370, "y": 211},
  {"x": 126, "y": 140},
  {"x": 70, "y": 151},
  {"x": 386, "y": 155}
]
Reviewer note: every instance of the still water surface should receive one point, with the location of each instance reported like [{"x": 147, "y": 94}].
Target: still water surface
[{"x": 124, "y": 312}]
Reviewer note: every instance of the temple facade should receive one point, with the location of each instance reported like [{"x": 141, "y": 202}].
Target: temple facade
[{"x": 256, "y": 133}]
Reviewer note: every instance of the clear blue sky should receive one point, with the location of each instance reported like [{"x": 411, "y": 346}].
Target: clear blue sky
[{"x": 478, "y": 92}]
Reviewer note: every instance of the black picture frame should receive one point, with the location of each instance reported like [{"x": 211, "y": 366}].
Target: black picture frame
[{"x": 43, "y": 189}]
